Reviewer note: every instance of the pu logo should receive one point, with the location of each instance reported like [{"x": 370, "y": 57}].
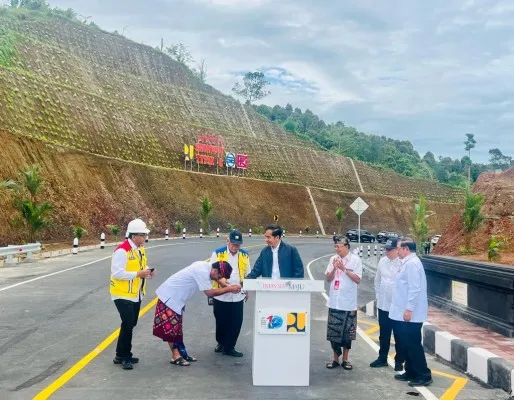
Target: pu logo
[
  {"x": 296, "y": 322},
  {"x": 275, "y": 322}
]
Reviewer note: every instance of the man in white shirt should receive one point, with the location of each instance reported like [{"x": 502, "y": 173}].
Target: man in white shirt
[
  {"x": 127, "y": 287},
  {"x": 173, "y": 295},
  {"x": 228, "y": 307},
  {"x": 344, "y": 272},
  {"x": 409, "y": 309},
  {"x": 388, "y": 267}
]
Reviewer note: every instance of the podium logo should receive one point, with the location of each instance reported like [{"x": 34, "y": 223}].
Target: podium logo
[
  {"x": 275, "y": 322},
  {"x": 296, "y": 321}
]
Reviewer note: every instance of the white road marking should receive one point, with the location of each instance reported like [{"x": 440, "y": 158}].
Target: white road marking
[
  {"x": 427, "y": 394},
  {"x": 91, "y": 262}
]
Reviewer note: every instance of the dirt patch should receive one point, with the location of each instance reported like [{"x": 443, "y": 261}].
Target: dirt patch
[
  {"x": 93, "y": 191},
  {"x": 498, "y": 189}
]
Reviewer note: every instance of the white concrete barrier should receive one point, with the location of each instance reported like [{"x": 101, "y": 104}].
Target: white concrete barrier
[
  {"x": 477, "y": 362},
  {"x": 443, "y": 344}
]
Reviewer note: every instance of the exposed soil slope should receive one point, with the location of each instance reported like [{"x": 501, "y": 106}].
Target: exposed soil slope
[{"x": 498, "y": 189}]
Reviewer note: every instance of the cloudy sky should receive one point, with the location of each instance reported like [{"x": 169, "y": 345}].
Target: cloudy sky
[{"x": 426, "y": 71}]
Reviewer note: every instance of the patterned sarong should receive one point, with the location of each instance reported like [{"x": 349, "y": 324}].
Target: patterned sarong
[
  {"x": 167, "y": 324},
  {"x": 341, "y": 326}
]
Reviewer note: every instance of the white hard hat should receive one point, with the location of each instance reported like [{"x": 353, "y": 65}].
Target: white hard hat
[{"x": 137, "y": 226}]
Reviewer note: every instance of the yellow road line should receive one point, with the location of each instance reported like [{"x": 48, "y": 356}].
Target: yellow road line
[
  {"x": 366, "y": 323},
  {"x": 372, "y": 330},
  {"x": 458, "y": 382},
  {"x": 75, "y": 369},
  {"x": 455, "y": 388}
]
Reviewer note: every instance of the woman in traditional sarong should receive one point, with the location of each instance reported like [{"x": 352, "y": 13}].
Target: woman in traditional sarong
[
  {"x": 173, "y": 295},
  {"x": 344, "y": 272}
]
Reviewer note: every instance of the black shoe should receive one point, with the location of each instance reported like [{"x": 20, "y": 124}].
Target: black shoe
[
  {"x": 398, "y": 366},
  {"x": 378, "y": 363},
  {"x": 219, "y": 348},
  {"x": 233, "y": 353},
  {"x": 402, "y": 377},
  {"x": 133, "y": 360},
  {"x": 127, "y": 364},
  {"x": 420, "y": 382}
]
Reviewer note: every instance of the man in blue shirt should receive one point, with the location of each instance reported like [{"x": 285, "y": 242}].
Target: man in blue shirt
[{"x": 409, "y": 309}]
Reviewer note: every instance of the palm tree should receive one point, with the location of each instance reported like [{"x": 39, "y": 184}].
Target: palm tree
[
  {"x": 471, "y": 216},
  {"x": 205, "y": 211},
  {"x": 34, "y": 216},
  {"x": 419, "y": 226}
]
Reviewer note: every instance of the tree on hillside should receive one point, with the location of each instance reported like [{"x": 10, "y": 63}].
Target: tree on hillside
[
  {"x": 33, "y": 215},
  {"x": 253, "y": 87},
  {"x": 205, "y": 211},
  {"x": 469, "y": 144},
  {"x": 472, "y": 217},
  {"x": 419, "y": 226},
  {"x": 180, "y": 53},
  {"x": 200, "y": 72},
  {"x": 30, "y": 4},
  {"x": 339, "y": 216},
  {"x": 498, "y": 160}
]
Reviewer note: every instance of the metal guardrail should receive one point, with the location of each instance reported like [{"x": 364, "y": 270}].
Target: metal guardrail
[{"x": 13, "y": 250}]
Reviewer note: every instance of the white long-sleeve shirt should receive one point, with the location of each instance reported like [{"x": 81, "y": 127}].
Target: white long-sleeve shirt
[
  {"x": 118, "y": 271},
  {"x": 275, "y": 270},
  {"x": 410, "y": 291},
  {"x": 387, "y": 270}
]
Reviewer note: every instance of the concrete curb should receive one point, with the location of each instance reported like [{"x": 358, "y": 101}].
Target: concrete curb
[{"x": 477, "y": 362}]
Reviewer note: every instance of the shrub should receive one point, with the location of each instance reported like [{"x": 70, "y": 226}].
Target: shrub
[{"x": 78, "y": 232}]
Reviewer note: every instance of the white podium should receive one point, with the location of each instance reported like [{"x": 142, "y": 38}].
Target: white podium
[{"x": 281, "y": 335}]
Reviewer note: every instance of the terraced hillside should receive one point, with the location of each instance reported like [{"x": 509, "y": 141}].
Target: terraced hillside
[{"x": 89, "y": 90}]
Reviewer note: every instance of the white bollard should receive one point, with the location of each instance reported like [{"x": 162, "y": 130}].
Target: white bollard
[
  {"x": 126, "y": 235},
  {"x": 201, "y": 233},
  {"x": 250, "y": 232},
  {"x": 381, "y": 250},
  {"x": 184, "y": 233},
  {"x": 284, "y": 233},
  {"x": 369, "y": 250},
  {"x": 300, "y": 233},
  {"x": 146, "y": 238},
  {"x": 75, "y": 246},
  {"x": 334, "y": 233},
  {"x": 360, "y": 251},
  {"x": 317, "y": 234},
  {"x": 166, "y": 234},
  {"x": 375, "y": 251},
  {"x": 217, "y": 232},
  {"x": 102, "y": 240}
]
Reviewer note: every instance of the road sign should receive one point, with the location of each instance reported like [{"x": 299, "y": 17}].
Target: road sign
[
  {"x": 230, "y": 160},
  {"x": 242, "y": 161},
  {"x": 275, "y": 218},
  {"x": 359, "y": 206}
]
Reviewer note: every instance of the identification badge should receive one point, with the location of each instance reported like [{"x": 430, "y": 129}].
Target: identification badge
[{"x": 336, "y": 284}]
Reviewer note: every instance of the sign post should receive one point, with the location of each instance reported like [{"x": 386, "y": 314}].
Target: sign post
[{"x": 359, "y": 206}]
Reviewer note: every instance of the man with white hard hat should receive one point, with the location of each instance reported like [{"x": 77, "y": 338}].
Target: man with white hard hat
[{"x": 129, "y": 272}]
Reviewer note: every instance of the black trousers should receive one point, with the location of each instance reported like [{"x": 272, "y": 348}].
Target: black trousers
[
  {"x": 229, "y": 319},
  {"x": 410, "y": 341},
  {"x": 386, "y": 327},
  {"x": 129, "y": 313}
]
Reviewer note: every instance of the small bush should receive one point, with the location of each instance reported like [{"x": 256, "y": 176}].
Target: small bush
[
  {"x": 78, "y": 232},
  {"x": 258, "y": 230},
  {"x": 463, "y": 251},
  {"x": 179, "y": 226},
  {"x": 496, "y": 244}
]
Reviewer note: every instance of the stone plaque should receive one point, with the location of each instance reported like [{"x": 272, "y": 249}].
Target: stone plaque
[{"x": 460, "y": 293}]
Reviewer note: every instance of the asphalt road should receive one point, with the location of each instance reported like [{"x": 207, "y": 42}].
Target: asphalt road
[{"x": 48, "y": 323}]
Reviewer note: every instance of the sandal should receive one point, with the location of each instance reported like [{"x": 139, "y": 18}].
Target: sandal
[
  {"x": 180, "y": 361},
  {"x": 347, "y": 365},
  {"x": 332, "y": 364},
  {"x": 190, "y": 358}
]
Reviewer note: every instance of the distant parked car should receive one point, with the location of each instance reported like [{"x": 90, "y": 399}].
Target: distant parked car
[
  {"x": 383, "y": 236},
  {"x": 435, "y": 239},
  {"x": 353, "y": 235}
]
